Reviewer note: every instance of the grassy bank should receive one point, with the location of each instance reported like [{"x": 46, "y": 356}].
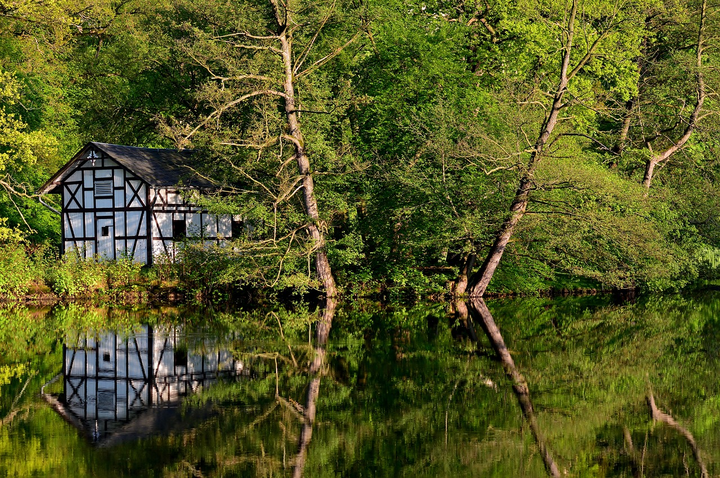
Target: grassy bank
[{"x": 40, "y": 274}]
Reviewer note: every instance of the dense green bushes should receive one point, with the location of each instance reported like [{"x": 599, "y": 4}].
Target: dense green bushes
[
  {"x": 38, "y": 270},
  {"x": 197, "y": 271},
  {"x": 18, "y": 270}
]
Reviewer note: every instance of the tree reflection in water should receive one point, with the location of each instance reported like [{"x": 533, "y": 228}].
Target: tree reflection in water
[
  {"x": 480, "y": 313},
  {"x": 405, "y": 391},
  {"x": 315, "y": 373}
]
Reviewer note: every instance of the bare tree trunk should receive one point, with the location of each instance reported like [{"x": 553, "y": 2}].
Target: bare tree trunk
[
  {"x": 315, "y": 225},
  {"x": 658, "y": 158},
  {"x": 480, "y": 281},
  {"x": 649, "y": 171},
  {"x": 624, "y": 128},
  {"x": 464, "y": 276},
  {"x": 315, "y": 371},
  {"x": 482, "y": 278},
  {"x": 479, "y": 310}
]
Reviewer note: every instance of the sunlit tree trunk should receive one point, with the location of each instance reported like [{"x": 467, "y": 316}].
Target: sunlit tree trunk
[
  {"x": 480, "y": 281},
  {"x": 464, "y": 275},
  {"x": 314, "y": 226},
  {"x": 271, "y": 42},
  {"x": 624, "y": 128}
]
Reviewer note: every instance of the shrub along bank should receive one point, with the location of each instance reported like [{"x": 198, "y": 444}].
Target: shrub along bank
[
  {"x": 38, "y": 272},
  {"x": 32, "y": 272}
]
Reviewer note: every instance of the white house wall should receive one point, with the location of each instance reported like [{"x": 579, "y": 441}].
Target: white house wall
[
  {"x": 168, "y": 206},
  {"x": 104, "y": 210}
]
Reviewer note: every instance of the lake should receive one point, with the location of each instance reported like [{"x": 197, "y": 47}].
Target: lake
[{"x": 581, "y": 386}]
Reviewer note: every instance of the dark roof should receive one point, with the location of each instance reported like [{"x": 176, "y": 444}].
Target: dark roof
[
  {"x": 170, "y": 418},
  {"x": 157, "y": 167}
]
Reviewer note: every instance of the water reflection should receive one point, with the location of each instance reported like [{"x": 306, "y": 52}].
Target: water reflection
[
  {"x": 118, "y": 388},
  {"x": 315, "y": 373},
  {"x": 480, "y": 312},
  {"x": 394, "y": 391},
  {"x": 660, "y": 416}
]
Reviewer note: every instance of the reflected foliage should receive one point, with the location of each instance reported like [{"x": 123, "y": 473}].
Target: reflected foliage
[{"x": 405, "y": 390}]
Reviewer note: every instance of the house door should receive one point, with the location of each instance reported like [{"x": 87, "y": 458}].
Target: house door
[{"x": 105, "y": 238}]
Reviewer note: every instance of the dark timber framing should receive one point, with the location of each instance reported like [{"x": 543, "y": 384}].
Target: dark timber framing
[
  {"x": 133, "y": 215},
  {"x": 110, "y": 381}
]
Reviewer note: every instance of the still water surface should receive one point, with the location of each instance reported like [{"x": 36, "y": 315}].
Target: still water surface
[{"x": 526, "y": 387}]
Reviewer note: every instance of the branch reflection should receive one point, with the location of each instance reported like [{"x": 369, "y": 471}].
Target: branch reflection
[{"x": 481, "y": 314}]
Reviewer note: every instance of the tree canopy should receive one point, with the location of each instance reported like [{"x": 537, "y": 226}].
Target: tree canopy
[{"x": 395, "y": 145}]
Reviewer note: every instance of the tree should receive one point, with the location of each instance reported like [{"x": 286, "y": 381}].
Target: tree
[
  {"x": 20, "y": 149},
  {"x": 428, "y": 136},
  {"x": 582, "y": 34},
  {"x": 672, "y": 92},
  {"x": 259, "y": 56}
]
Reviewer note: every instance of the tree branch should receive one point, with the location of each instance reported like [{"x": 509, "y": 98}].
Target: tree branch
[
  {"x": 229, "y": 105},
  {"x": 328, "y": 57},
  {"x": 304, "y": 54}
]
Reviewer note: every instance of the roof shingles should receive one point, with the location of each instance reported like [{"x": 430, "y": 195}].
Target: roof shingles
[{"x": 157, "y": 167}]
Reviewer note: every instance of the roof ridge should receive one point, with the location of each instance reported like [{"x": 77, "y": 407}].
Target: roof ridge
[{"x": 140, "y": 147}]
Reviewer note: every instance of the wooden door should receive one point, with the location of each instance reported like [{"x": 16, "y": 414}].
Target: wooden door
[{"x": 105, "y": 238}]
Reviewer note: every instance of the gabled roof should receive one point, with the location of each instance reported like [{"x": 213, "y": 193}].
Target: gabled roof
[
  {"x": 157, "y": 167},
  {"x": 157, "y": 420}
]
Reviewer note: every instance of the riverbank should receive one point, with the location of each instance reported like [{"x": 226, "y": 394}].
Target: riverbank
[
  {"x": 41, "y": 277},
  {"x": 145, "y": 290}
]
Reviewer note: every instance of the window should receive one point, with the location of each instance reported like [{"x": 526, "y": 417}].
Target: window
[
  {"x": 180, "y": 358},
  {"x": 238, "y": 227},
  {"x": 105, "y": 401},
  {"x": 179, "y": 230},
  {"x": 105, "y": 231},
  {"x": 103, "y": 187},
  {"x": 106, "y": 356}
]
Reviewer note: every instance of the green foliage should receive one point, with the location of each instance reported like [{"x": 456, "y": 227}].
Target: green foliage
[
  {"x": 708, "y": 259},
  {"x": 10, "y": 372},
  {"x": 123, "y": 272},
  {"x": 202, "y": 270},
  {"x": 74, "y": 276},
  {"x": 418, "y": 117},
  {"x": 19, "y": 271}
]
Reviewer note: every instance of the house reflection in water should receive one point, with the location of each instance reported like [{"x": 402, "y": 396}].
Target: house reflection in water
[{"x": 118, "y": 388}]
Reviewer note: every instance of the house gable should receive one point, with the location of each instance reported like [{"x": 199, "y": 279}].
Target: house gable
[
  {"x": 123, "y": 201},
  {"x": 104, "y": 207}
]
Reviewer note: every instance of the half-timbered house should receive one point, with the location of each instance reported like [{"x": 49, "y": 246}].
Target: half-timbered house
[
  {"x": 127, "y": 201},
  {"x": 117, "y": 388}
]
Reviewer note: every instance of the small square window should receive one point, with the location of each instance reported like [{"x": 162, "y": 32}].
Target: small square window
[
  {"x": 106, "y": 356},
  {"x": 238, "y": 227},
  {"x": 103, "y": 188},
  {"x": 105, "y": 232}
]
